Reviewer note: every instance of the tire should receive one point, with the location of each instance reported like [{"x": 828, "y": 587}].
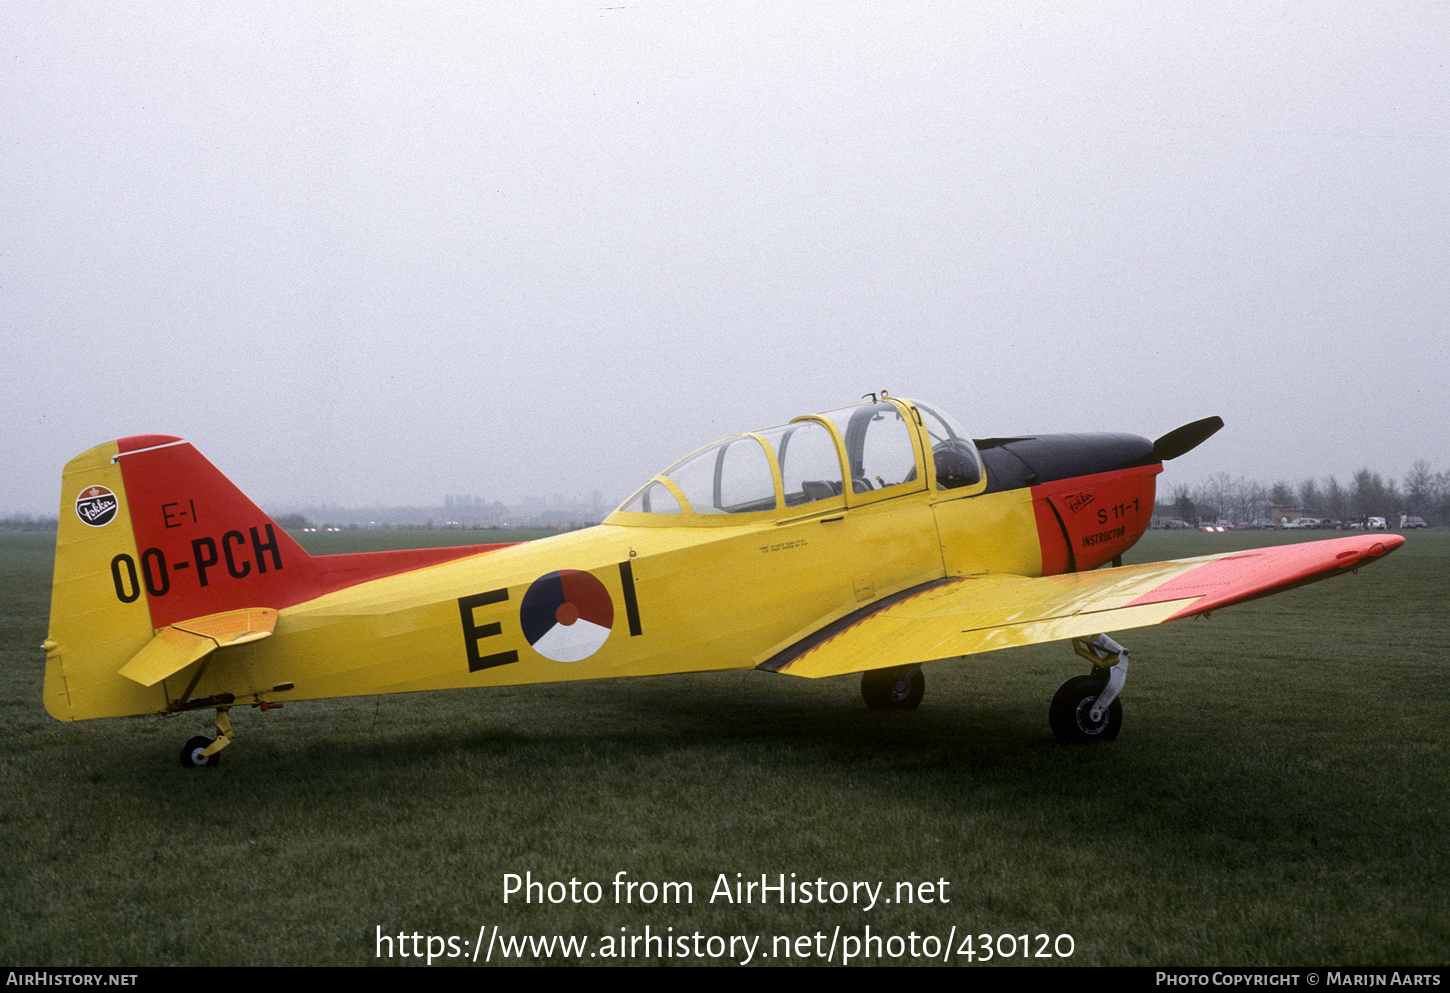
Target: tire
[
  {"x": 1069, "y": 718},
  {"x": 893, "y": 689},
  {"x": 191, "y": 757}
]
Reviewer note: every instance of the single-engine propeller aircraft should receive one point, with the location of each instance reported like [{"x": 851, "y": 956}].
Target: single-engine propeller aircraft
[{"x": 868, "y": 539}]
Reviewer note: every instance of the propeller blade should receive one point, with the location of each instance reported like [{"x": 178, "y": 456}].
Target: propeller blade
[{"x": 1184, "y": 439}]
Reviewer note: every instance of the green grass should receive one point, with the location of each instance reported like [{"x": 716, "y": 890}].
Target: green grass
[{"x": 1278, "y": 796}]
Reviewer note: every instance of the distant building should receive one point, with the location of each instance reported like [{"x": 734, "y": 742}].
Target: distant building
[{"x": 1283, "y": 515}]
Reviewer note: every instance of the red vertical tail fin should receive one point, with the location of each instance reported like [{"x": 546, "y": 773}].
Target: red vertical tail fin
[{"x": 202, "y": 546}]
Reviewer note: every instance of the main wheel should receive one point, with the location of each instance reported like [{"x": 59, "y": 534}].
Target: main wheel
[
  {"x": 1070, "y": 713},
  {"x": 893, "y": 689},
  {"x": 191, "y": 757}
]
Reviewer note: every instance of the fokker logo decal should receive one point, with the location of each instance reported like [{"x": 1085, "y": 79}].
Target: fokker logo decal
[{"x": 96, "y": 506}]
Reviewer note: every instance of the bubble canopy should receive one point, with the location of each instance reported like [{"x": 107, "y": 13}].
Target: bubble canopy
[{"x": 841, "y": 458}]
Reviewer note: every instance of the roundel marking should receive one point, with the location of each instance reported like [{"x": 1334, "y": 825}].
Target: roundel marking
[
  {"x": 96, "y": 506},
  {"x": 566, "y": 615}
]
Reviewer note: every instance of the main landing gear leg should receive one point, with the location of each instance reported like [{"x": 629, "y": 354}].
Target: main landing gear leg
[
  {"x": 1086, "y": 708},
  {"x": 203, "y": 751}
]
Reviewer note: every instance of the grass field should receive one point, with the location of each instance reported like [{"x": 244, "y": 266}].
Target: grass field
[{"x": 1280, "y": 794}]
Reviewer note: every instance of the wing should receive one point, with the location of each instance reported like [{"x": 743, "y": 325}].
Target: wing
[{"x": 970, "y": 614}]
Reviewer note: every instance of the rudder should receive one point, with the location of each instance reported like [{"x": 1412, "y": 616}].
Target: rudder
[{"x": 98, "y": 615}]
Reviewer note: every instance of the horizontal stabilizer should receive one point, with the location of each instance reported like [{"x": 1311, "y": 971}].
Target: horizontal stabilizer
[
  {"x": 232, "y": 627},
  {"x": 178, "y": 646}
]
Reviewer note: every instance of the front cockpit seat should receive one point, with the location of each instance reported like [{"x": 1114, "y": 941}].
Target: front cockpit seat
[{"x": 956, "y": 465}]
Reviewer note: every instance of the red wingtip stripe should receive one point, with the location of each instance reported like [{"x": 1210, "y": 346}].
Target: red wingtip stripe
[{"x": 1261, "y": 571}]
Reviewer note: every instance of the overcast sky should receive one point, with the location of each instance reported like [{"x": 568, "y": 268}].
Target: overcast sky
[{"x": 379, "y": 253}]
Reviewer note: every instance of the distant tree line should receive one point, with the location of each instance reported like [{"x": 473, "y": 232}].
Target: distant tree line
[
  {"x": 1421, "y": 493},
  {"x": 25, "y": 522}
]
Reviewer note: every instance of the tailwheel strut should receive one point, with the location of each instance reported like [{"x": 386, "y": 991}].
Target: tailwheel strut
[
  {"x": 202, "y": 751},
  {"x": 1086, "y": 708}
]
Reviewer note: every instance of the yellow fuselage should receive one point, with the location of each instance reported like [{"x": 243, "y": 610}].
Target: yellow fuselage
[{"x": 687, "y": 592}]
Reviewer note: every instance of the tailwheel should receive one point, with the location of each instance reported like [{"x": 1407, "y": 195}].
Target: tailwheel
[
  {"x": 1071, "y": 712},
  {"x": 201, "y": 751},
  {"x": 192, "y": 753},
  {"x": 893, "y": 689}
]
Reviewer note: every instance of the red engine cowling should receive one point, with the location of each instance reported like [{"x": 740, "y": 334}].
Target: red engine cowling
[{"x": 1089, "y": 520}]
